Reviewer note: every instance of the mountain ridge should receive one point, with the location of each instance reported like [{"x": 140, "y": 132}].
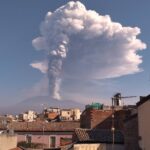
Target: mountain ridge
[{"x": 39, "y": 103}]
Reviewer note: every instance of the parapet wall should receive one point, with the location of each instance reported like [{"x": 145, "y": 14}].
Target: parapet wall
[{"x": 8, "y": 141}]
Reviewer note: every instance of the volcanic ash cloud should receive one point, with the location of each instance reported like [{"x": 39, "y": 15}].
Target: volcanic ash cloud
[{"x": 85, "y": 45}]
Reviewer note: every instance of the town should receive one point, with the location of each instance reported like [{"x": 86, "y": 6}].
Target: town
[
  {"x": 74, "y": 75},
  {"x": 97, "y": 127}
]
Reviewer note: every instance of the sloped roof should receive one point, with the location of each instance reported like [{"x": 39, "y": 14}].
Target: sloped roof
[
  {"x": 98, "y": 135},
  {"x": 39, "y": 126}
]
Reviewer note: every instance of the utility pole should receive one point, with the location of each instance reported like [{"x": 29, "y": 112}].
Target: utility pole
[
  {"x": 113, "y": 124},
  {"x": 43, "y": 133},
  {"x": 116, "y": 101}
]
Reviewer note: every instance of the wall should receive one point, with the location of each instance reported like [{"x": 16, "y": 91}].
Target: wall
[
  {"x": 144, "y": 125},
  {"x": 131, "y": 133},
  {"x": 43, "y": 138},
  {"x": 8, "y": 141},
  {"x": 102, "y": 119},
  {"x": 76, "y": 114},
  {"x": 66, "y": 114},
  {"x": 97, "y": 147},
  {"x": 91, "y": 118}
]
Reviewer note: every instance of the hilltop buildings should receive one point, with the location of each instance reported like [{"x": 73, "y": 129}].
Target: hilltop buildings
[{"x": 62, "y": 114}]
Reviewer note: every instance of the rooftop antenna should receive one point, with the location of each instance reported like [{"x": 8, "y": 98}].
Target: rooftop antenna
[{"x": 116, "y": 101}]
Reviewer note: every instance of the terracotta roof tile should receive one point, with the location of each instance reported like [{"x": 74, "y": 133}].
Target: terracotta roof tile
[
  {"x": 98, "y": 135},
  {"x": 39, "y": 126}
]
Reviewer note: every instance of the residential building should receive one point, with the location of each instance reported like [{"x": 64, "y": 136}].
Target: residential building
[
  {"x": 76, "y": 113},
  {"x": 102, "y": 119},
  {"x": 7, "y": 141},
  {"x": 57, "y": 114},
  {"x": 50, "y": 135},
  {"x": 52, "y": 109},
  {"x": 143, "y": 107},
  {"x": 28, "y": 116},
  {"x": 70, "y": 114}
]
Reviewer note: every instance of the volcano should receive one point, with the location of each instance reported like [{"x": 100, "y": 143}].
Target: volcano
[{"x": 39, "y": 103}]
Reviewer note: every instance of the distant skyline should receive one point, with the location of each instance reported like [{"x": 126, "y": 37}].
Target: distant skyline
[{"x": 20, "y": 22}]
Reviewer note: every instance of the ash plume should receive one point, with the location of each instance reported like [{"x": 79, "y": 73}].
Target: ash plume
[{"x": 85, "y": 45}]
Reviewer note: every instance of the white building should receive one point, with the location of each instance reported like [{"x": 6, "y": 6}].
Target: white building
[{"x": 28, "y": 116}]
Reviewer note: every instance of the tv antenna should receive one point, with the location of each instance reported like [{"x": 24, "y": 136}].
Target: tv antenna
[{"x": 116, "y": 101}]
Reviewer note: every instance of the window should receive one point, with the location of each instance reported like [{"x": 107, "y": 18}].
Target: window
[{"x": 52, "y": 142}]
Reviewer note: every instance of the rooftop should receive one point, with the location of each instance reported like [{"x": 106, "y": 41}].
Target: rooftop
[
  {"x": 98, "y": 136},
  {"x": 143, "y": 99},
  {"x": 40, "y": 126}
]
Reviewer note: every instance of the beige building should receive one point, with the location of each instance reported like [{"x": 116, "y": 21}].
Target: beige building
[
  {"x": 8, "y": 141},
  {"x": 28, "y": 116},
  {"x": 66, "y": 114},
  {"x": 70, "y": 114},
  {"x": 76, "y": 114},
  {"x": 144, "y": 122}
]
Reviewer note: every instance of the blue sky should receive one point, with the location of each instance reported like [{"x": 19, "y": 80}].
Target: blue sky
[{"x": 19, "y": 25}]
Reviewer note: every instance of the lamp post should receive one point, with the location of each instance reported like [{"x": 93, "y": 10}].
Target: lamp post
[
  {"x": 43, "y": 133},
  {"x": 113, "y": 124}
]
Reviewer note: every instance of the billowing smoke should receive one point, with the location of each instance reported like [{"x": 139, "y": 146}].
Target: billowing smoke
[{"x": 85, "y": 45}]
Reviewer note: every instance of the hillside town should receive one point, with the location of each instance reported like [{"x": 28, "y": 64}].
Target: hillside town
[{"x": 97, "y": 127}]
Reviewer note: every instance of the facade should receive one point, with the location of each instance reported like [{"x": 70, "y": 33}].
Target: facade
[
  {"x": 102, "y": 119},
  {"x": 90, "y": 118},
  {"x": 131, "y": 133},
  {"x": 47, "y": 138},
  {"x": 76, "y": 114},
  {"x": 144, "y": 122},
  {"x": 52, "y": 114},
  {"x": 50, "y": 135},
  {"x": 28, "y": 116},
  {"x": 66, "y": 114},
  {"x": 8, "y": 141},
  {"x": 70, "y": 114}
]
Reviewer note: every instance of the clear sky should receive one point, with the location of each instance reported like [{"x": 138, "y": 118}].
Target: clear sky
[{"x": 19, "y": 25}]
